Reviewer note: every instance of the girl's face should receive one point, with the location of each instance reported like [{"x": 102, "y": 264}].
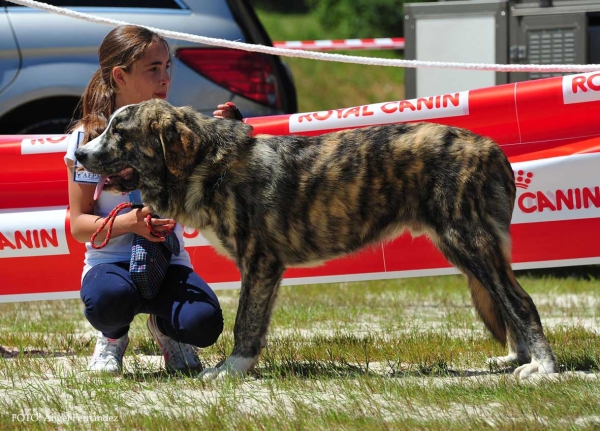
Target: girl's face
[{"x": 147, "y": 78}]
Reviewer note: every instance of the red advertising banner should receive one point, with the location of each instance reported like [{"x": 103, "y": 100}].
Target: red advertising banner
[{"x": 550, "y": 130}]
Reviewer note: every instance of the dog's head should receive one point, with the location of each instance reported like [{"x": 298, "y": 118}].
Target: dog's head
[{"x": 151, "y": 141}]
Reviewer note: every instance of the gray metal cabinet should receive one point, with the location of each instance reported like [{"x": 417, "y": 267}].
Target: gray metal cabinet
[{"x": 498, "y": 31}]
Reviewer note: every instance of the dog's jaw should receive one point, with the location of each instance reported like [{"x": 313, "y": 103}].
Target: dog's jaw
[
  {"x": 122, "y": 182},
  {"x": 156, "y": 196}
]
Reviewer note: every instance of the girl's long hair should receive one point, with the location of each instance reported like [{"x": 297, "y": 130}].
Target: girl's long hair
[{"x": 120, "y": 48}]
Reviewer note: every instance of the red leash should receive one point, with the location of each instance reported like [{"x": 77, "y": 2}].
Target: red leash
[{"x": 110, "y": 219}]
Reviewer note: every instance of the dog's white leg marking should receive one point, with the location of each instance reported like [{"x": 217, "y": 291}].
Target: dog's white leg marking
[
  {"x": 518, "y": 353},
  {"x": 535, "y": 367},
  {"x": 502, "y": 361},
  {"x": 234, "y": 366}
]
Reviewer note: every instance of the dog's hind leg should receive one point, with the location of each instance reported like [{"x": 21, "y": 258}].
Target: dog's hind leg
[
  {"x": 482, "y": 255},
  {"x": 261, "y": 277},
  {"x": 491, "y": 315},
  {"x": 542, "y": 358}
]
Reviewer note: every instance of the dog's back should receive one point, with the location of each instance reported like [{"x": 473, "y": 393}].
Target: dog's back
[{"x": 329, "y": 195}]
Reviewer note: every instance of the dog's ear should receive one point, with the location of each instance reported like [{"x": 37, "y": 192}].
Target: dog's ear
[
  {"x": 183, "y": 133},
  {"x": 179, "y": 143}
]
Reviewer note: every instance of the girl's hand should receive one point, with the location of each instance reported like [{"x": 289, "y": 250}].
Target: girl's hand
[
  {"x": 228, "y": 111},
  {"x": 135, "y": 222}
]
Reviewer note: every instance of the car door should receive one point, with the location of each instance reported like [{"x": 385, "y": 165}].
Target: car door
[{"x": 9, "y": 51}]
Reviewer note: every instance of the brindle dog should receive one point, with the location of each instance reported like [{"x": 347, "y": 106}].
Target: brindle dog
[{"x": 272, "y": 202}]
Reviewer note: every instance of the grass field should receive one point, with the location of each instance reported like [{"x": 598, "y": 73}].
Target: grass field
[
  {"x": 405, "y": 354},
  {"x": 396, "y": 354},
  {"x": 325, "y": 85}
]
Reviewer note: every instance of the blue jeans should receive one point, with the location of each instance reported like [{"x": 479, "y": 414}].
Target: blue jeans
[{"x": 187, "y": 309}]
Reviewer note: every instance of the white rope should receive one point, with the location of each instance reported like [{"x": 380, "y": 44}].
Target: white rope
[{"x": 565, "y": 68}]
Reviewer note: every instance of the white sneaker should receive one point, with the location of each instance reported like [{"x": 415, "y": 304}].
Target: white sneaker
[
  {"x": 179, "y": 357},
  {"x": 108, "y": 354}
]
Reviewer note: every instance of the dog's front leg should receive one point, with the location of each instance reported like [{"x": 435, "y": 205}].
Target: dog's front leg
[{"x": 260, "y": 284}]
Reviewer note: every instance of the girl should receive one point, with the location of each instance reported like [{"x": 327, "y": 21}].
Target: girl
[{"x": 134, "y": 67}]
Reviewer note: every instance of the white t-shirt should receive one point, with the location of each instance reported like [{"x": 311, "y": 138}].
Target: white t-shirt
[{"x": 118, "y": 248}]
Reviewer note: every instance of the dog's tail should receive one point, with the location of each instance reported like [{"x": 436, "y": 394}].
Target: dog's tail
[{"x": 487, "y": 309}]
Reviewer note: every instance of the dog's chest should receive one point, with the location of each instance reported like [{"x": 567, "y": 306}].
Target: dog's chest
[{"x": 211, "y": 236}]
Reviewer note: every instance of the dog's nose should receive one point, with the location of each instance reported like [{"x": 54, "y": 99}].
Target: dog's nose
[{"x": 80, "y": 155}]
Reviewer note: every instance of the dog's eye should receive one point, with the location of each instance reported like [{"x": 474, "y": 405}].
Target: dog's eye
[{"x": 117, "y": 130}]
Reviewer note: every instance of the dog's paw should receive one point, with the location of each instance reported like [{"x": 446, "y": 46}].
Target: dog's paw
[
  {"x": 221, "y": 373},
  {"x": 506, "y": 361},
  {"x": 535, "y": 368},
  {"x": 234, "y": 366},
  {"x": 209, "y": 374}
]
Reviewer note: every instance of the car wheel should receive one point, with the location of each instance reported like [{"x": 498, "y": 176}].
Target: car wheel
[
  {"x": 53, "y": 126},
  {"x": 51, "y": 116}
]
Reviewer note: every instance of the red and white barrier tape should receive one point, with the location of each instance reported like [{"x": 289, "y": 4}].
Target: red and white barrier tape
[
  {"x": 343, "y": 44},
  {"x": 550, "y": 130}
]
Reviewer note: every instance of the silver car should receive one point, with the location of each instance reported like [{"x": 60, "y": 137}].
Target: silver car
[{"x": 46, "y": 60}]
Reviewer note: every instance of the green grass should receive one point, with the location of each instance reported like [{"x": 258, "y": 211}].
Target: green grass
[
  {"x": 323, "y": 85},
  {"x": 380, "y": 355}
]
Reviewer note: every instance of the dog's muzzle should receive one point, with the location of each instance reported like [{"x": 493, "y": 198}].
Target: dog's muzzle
[{"x": 125, "y": 181}]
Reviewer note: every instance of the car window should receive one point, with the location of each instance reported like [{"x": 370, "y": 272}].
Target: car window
[{"x": 154, "y": 4}]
